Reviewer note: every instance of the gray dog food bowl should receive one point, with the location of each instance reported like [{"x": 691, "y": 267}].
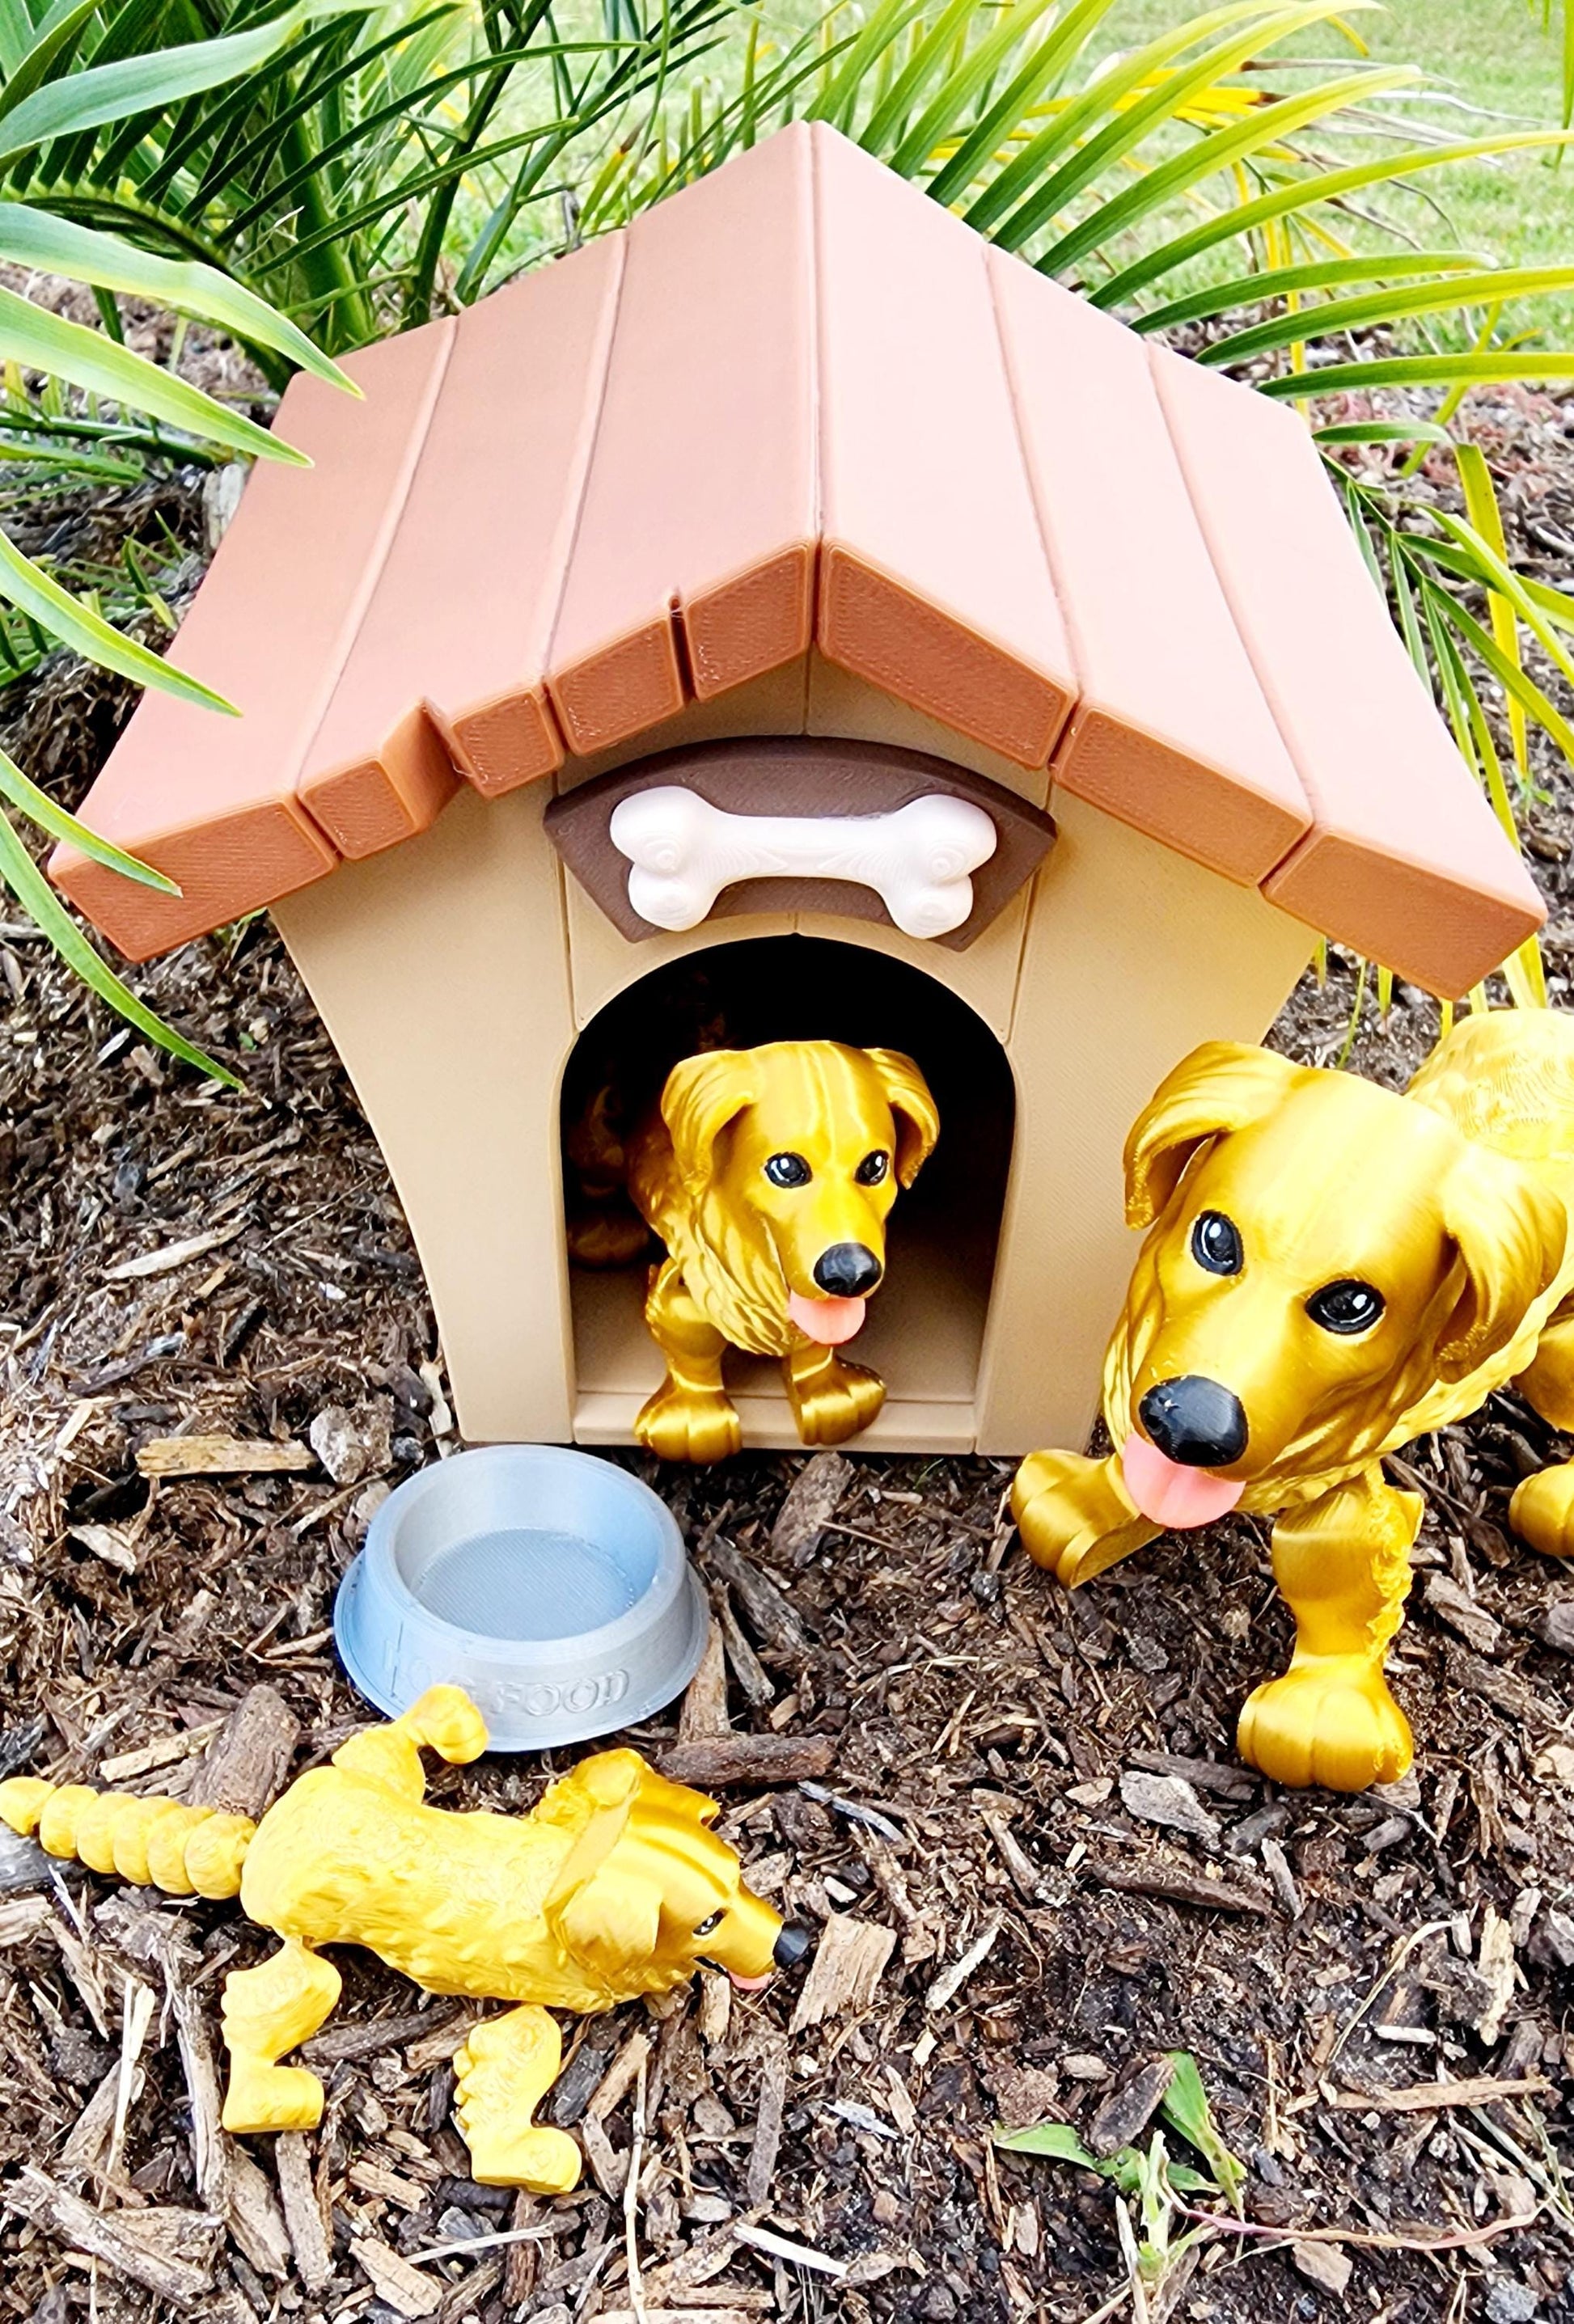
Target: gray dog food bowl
[{"x": 553, "y": 1588}]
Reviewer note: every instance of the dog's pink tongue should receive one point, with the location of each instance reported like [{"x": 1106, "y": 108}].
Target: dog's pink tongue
[
  {"x": 1171, "y": 1494},
  {"x": 829, "y": 1321},
  {"x": 750, "y": 1984}
]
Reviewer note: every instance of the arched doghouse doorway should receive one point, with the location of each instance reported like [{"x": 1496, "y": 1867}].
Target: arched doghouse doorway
[{"x": 926, "y": 1324}]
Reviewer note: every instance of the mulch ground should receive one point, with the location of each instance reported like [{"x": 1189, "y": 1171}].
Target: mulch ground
[{"x": 176, "y": 1259}]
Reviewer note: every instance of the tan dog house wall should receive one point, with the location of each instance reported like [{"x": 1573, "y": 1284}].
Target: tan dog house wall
[{"x": 795, "y": 454}]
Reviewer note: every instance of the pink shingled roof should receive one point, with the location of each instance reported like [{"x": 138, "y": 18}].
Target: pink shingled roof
[{"x": 799, "y": 404}]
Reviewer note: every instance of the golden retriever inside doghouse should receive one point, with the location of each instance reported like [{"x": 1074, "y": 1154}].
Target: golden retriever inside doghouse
[
  {"x": 1332, "y": 1270},
  {"x": 768, "y": 1173}
]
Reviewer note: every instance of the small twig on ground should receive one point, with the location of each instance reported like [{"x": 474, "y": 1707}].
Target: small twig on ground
[
  {"x": 636, "y": 2296},
  {"x": 1466, "y": 2240}
]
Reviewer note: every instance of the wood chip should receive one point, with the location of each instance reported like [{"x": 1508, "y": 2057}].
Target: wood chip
[
  {"x": 769, "y": 1614},
  {"x": 127, "y": 2243},
  {"x": 704, "y": 1710},
  {"x": 246, "y": 1771},
  {"x": 1494, "y": 1965},
  {"x": 23, "y": 1865},
  {"x": 847, "y": 1965},
  {"x": 1277, "y": 1865},
  {"x": 1180, "y": 1887},
  {"x": 84, "y": 2149},
  {"x": 104, "y": 1542},
  {"x": 253, "y": 2217},
  {"x": 708, "y": 2314},
  {"x": 303, "y": 2214},
  {"x": 620, "y": 2077},
  {"x": 796, "y": 2254},
  {"x": 813, "y": 1498},
  {"x": 1124, "y": 2113},
  {"x": 1170, "y": 1800},
  {"x": 767, "y": 2141},
  {"x": 403, "y": 2287},
  {"x": 211, "y": 2149},
  {"x": 172, "y": 1255},
  {"x": 753, "y": 1680},
  {"x": 167, "y": 1752},
  {"x": 374, "y": 2178},
  {"x": 951, "y": 1981},
  {"x": 1461, "y": 1612},
  {"x": 1025, "y": 1875},
  {"x": 711, "y": 1762},
  {"x": 1328, "y": 2266},
  {"x": 1502, "y": 1687},
  {"x": 1431, "y": 2098},
  {"x": 1216, "y": 1776},
  {"x": 220, "y": 1456},
  {"x": 433, "y": 2035}
]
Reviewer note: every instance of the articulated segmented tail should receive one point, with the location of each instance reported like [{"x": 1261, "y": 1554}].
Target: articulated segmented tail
[{"x": 154, "y": 1842}]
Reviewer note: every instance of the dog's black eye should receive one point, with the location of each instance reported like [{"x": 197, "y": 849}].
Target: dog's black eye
[
  {"x": 871, "y": 1171},
  {"x": 1346, "y": 1307},
  {"x": 711, "y": 1921},
  {"x": 788, "y": 1170},
  {"x": 1216, "y": 1243}
]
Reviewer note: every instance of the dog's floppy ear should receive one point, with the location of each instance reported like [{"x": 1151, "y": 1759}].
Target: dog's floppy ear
[
  {"x": 918, "y": 1120},
  {"x": 1221, "y": 1087},
  {"x": 604, "y": 1915},
  {"x": 610, "y": 1925},
  {"x": 1510, "y": 1234},
  {"x": 702, "y": 1094}
]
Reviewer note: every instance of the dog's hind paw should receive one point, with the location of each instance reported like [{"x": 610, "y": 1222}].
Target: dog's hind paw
[
  {"x": 1332, "y": 1722},
  {"x": 680, "y": 1423}
]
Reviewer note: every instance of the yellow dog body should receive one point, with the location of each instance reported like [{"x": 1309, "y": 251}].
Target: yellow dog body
[
  {"x": 1332, "y": 1271},
  {"x": 753, "y": 1263},
  {"x": 613, "y": 1888}
]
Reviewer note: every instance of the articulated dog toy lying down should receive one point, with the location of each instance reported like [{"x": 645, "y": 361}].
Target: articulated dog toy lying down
[
  {"x": 1332, "y": 1271},
  {"x": 612, "y": 1887}
]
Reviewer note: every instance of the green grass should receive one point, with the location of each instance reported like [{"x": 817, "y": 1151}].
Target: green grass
[{"x": 1493, "y": 68}]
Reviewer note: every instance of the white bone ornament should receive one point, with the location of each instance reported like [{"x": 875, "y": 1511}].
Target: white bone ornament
[{"x": 682, "y": 852}]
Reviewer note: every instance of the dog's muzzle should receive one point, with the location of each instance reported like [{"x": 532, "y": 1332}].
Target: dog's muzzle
[
  {"x": 848, "y": 1270},
  {"x": 1196, "y": 1422}
]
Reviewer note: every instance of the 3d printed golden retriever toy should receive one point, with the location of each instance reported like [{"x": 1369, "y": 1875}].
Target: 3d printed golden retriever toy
[
  {"x": 1332, "y": 1270},
  {"x": 613, "y": 1888},
  {"x": 769, "y": 1175}
]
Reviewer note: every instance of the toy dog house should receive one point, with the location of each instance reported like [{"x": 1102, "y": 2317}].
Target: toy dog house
[{"x": 798, "y": 480}]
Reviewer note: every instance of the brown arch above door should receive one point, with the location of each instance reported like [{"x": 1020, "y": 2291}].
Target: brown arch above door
[{"x": 798, "y": 775}]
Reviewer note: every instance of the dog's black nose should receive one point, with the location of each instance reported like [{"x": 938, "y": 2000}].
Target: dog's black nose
[
  {"x": 792, "y": 1944},
  {"x": 847, "y": 1270},
  {"x": 1195, "y": 1421}
]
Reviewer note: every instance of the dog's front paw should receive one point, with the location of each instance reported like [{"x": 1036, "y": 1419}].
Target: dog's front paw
[
  {"x": 1332, "y": 1721},
  {"x": 1071, "y": 1517},
  {"x": 834, "y": 1402},
  {"x": 505, "y": 2069},
  {"x": 694, "y": 1424}
]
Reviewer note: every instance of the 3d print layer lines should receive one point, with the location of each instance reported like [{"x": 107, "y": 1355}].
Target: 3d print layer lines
[{"x": 682, "y": 852}]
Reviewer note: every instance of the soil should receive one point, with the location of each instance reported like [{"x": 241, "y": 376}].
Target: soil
[{"x": 1318, "y": 1955}]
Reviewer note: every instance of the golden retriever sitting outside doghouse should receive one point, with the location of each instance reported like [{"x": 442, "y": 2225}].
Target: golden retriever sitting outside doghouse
[
  {"x": 768, "y": 1173},
  {"x": 1333, "y": 1269}
]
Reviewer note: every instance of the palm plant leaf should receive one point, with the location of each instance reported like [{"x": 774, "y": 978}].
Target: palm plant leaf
[
  {"x": 36, "y": 237},
  {"x": 21, "y": 874}
]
